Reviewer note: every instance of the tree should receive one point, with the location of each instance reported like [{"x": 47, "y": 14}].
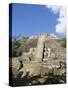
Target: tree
[
  {"x": 16, "y": 43},
  {"x": 63, "y": 42}
]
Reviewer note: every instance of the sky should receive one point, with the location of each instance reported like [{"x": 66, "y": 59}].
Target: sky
[{"x": 28, "y": 19}]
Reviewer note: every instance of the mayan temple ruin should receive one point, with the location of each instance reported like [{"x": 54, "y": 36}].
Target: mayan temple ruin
[{"x": 47, "y": 58}]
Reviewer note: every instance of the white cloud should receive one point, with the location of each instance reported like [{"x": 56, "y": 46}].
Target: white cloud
[
  {"x": 52, "y": 34},
  {"x": 54, "y": 9},
  {"x": 32, "y": 37},
  {"x": 61, "y": 25}
]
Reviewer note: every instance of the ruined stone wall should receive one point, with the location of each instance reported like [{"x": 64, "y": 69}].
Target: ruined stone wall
[{"x": 42, "y": 60}]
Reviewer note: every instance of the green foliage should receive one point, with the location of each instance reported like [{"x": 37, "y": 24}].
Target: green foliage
[
  {"x": 22, "y": 40},
  {"x": 63, "y": 42},
  {"x": 16, "y": 43}
]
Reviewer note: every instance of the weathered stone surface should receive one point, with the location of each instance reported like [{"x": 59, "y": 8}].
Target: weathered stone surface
[
  {"x": 41, "y": 80},
  {"x": 32, "y": 68},
  {"x": 34, "y": 82},
  {"x": 39, "y": 49},
  {"x": 15, "y": 66},
  {"x": 47, "y": 58}
]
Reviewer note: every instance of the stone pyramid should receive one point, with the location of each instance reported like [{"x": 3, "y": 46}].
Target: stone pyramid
[{"x": 48, "y": 56}]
